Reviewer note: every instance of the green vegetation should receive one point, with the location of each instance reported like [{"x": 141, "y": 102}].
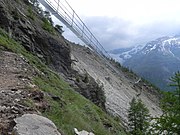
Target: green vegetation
[
  {"x": 31, "y": 13},
  {"x": 72, "y": 110},
  {"x": 48, "y": 26},
  {"x": 139, "y": 118},
  {"x": 47, "y": 20},
  {"x": 169, "y": 121},
  {"x": 152, "y": 85},
  {"x": 35, "y": 3},
  {"x": 132, "y": 75},
  {"x": 59, "y": 29},
  {"x": 47, "y": 15},
  {"x": 48, "y": 23},
  {"x": 30, "y": 103}
]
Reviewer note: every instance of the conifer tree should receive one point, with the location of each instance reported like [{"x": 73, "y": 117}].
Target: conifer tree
[
  {"x": 139, "y": 118},
  {"x": 169, "y": 121},
  {"x": 59, "y": 29}
]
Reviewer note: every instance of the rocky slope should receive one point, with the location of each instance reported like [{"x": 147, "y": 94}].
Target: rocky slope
[
  {"x": 34, "y": 124},
  {"x": 157, "y": 61},
  {"x": 31, "y": 67},
  {"x": 15, "y": 76},
  {"x": 118, "y": 87},
  {"x": 28, "y": 85}
]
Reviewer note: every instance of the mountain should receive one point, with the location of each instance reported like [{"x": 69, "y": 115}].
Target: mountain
[
  {"x": 157, "y": 61},
  {"x": 43, "y": 73},
  {"x": 124, "y": 54}
]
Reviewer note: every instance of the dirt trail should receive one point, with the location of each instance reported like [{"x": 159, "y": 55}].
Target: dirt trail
[{"x": 15, "y": 84}]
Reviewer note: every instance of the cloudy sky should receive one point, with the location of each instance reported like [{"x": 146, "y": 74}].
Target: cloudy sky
[{"x": 125, "y": 23}]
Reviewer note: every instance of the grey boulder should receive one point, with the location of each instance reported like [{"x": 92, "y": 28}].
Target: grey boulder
[{"x": 32, "y": 124}]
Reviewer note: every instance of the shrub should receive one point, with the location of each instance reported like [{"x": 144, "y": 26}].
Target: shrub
[
  {"x": 47, "y": 26},
  {"x": 169, "y": 121},
  {"x": 31, "y": 13},
  {"x": 139, "y": 118}
]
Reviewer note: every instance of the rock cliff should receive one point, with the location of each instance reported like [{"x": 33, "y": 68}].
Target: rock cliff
[
  {"x": 52, "y": 49},
  {"x": 30, "y": 83},
  {"x": 119, "y": 87}
]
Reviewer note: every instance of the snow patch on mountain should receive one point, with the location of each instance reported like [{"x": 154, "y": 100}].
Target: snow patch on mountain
[
  {"x": 170, "y": 41},
  {"x": 156, "y": 61},
  {"x": 148, "y": 48},
  {"x": 117, "y": 58},
  {"x": 154, "y": 47},
  {"x": 163, "y": 45},
  {"x": 128, "y": 54}
]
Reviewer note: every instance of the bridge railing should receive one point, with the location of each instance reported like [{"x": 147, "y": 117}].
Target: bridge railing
[{"x": 64, "y": 12}]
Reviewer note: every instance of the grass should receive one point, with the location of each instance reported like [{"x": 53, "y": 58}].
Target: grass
[
  {"x": 30, "y": 14},
  {"x": 48, "y": 26},
  {"x": 72, "y": 110},
  {"x": 132, "y": 75}
]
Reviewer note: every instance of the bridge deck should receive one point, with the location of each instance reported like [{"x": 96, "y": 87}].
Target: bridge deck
[{"x": 64, "y": 12}]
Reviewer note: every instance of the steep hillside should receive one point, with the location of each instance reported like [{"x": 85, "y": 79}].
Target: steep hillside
[
  {"x": 32, "y": 60},
  {"x": 157, "y": 61},
  {"x": 29, "y": 86},
  {"x": 119, "y": 87},
  {"x": 68, "y": 83}
]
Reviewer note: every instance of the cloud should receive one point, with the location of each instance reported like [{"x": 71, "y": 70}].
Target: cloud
[
  {"x": 154, "y": 30},
  {"x": 128, "y": 23},
  {"x": 113, "y": 32}
]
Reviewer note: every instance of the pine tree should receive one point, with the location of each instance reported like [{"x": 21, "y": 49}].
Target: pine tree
[
  {"x": 139, "y": 118},
  {"x": 59, "y": 29},
  {"x": 169, "y": 121}
]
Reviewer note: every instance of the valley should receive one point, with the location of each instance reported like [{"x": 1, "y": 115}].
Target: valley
[{"x": 156, "y": 61}]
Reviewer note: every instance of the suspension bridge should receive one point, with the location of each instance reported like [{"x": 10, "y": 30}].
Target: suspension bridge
[{"x": 62, "y": 10}]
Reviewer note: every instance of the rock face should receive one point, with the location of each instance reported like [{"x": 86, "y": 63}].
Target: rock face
[
  {"x": 53, "y": 50},
  {"x": 118, "y": 88},
  {"x": 90, "y": 89},
  {"x": 32, "y": 124}
]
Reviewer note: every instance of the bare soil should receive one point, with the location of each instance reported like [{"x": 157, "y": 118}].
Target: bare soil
[{"x": 15, "y": 87}]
